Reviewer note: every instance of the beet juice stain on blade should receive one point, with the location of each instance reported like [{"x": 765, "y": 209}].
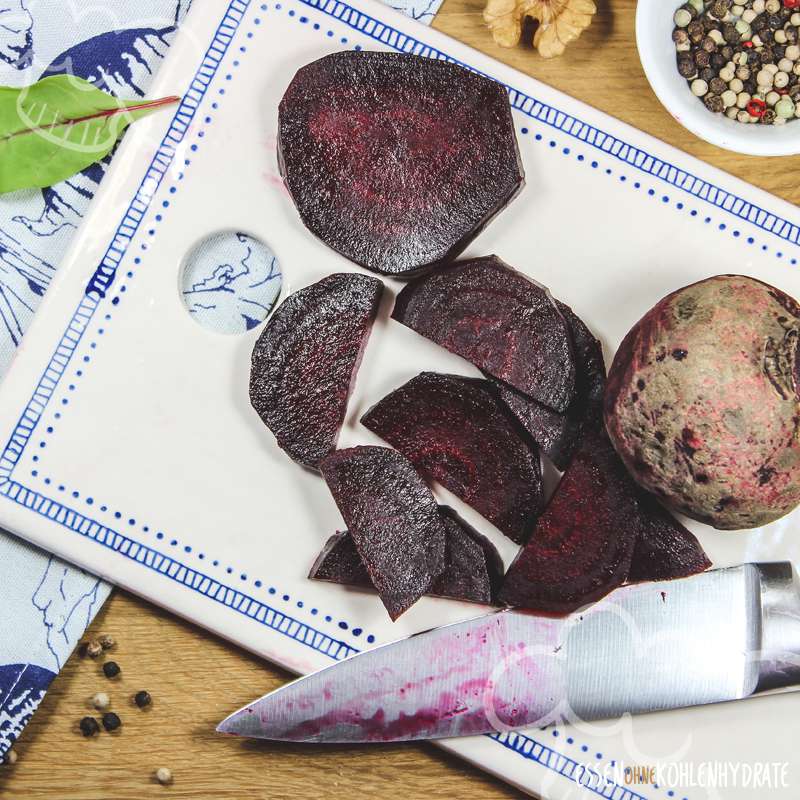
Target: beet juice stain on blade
[
  {"x": 394, "y": 160},
  {"x": 305, "y": 360},
  {"x": 501, "y": 321},
  {"x": 454, "y": 431},
  {"x": 393, "y": 519}
]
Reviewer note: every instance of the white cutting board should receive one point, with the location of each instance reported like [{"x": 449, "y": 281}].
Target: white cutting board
[{"x": 129, "y": 443}]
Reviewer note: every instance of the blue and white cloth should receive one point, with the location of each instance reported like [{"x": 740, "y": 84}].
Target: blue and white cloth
[{"x": 45, "y": 605}]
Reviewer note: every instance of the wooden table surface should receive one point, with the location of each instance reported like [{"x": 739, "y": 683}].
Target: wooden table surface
[{"x": 196, "y": 679}]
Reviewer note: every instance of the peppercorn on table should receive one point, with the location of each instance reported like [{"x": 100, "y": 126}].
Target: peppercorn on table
[{"x": 194, "y": 679}]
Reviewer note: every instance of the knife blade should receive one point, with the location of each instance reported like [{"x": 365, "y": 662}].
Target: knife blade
[{"x": 718, "y": 636}]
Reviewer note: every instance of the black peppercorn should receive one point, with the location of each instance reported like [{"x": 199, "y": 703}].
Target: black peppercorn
[
  {"x": 142, "y": 699},
  {"x": 89, "y": 726},
  {"x": 717, "y": 85},
  {"x": 778, "y": 51},
  {"x": 718, "y": 61},
  {"x": 759, "y": 23},
  {"x": 708, "y": 44},
  {"x": 111, "y": 669},
  {"x": 679, "y": 36},
  {"x": 691, "y": 9},
  {"x": 753, "y": 58},
  {"x": 696, "y": 31},
  {"x": 774, "y": 21},
  {"x": 729, "y": 33},
  {"x": 768, "y": 117},
  {"x": 749, "y": 86},
  {"x": 719, "y": 8},
  {"x": 727, "y": 53},
  {"x": 714, "y": 103},
  {"x": 794, "y": 92},
  {"x": 701, "y": 58},
  {"x": 791, "y": 35},
  {"x": 709, "y": 23},
  {"x": 706, "y": 74},
  {"x": 767, "y": 55},
  {"x": 111, "y": 722},
  {"x": 686, "y": 66}
]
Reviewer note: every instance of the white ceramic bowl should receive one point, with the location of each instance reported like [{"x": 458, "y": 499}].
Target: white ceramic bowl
[{"x": 654, "y": 27}]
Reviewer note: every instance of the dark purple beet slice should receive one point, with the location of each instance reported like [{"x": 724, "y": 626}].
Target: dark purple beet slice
[
  {"x": 473, "y": 567},
  {"x": 305, "y": 360},
  {"x": 393, "y": 519},
  {"x": 582, "y": 546},
  {"x": 559, "y": 434},
  {"x": 454, "y": 431},
  {"x": 495, "y": 317},
  {"x": 396, "y": 161},
  {"x": 664, "y": 548},
  {"x": 339, "y": 562}
]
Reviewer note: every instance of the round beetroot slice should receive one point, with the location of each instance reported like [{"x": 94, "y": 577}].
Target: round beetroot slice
[
  {"x": 558, "y": 435},
  {"x": 582, "y": 546},
  {"x": 305, "y": 360},
  {"x": 396, "y": 161},
  {"x": 455, "y": 432},
  {"x": 501, "y": 321},
  {"x": 664, "y": 548},
  {"x": 393, "y": 519}
]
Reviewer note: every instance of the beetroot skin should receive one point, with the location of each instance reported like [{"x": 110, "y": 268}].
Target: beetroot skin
[
  {"x": 304, "y": 362},
  {"x": 702, "y": 402},
  {"x": 582, "y": 546},
  {"x": 455, "y": 432},
  {"x": 559, "y": 435},
  {"x": 396, "y": 161},
  {"x": 664, "y": 548},
  {"x": 393, "y": 519},
  {"x": 473, "y": 567},
  {"x": 495, "y": 317}
]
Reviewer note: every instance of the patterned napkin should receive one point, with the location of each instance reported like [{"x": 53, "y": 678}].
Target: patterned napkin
[{"x": 45, "y": 605}]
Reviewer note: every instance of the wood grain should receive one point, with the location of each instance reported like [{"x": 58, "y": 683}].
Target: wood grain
[{"x": 196, "y": 679}]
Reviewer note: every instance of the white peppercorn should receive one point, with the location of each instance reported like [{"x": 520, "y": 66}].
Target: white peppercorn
[
  {"x": 772, "y": 6},
  {"x": 773, "y": 68},
  {"x": 736, "y": 86},
  {"x": 728, "y": 98},
  {"x": 745, "y": 31},
  {"x": 699, "y": 87},
  {"x": 780, "y": 36},
  {"x": 784, "y": 108},
  {"x": 785, "y": 65},
  {"x": 742, "y": 116},
  {"x": 164, "y": 776},
  {"x": 732, "y": 112},
  {"x": 682, "y": 18},
  {"x": 727, "y": 74},
  {"x": 757, "y": 42},
  {"x": 743, "y": 73},
  {"x": 795, "y": 19},
  {"x": 749, "y": 15},
  {"x": 10, "y": 758},
  {"x": 716, "y": 36},
  {"x": 101, "y": 701},
  {"x": 793, "y": 52},
  {"x": 737, "y": 10},
  {"x": 742, "y": 100},
  {"x": 781, "y": 80},
  {"x": 772, "y": 98},
  {"x": 697, "y": 5},
  {"x": 764, "y": 78},
  {"x": 779, "y": 121},
  {"x": 759, "y": 6}
]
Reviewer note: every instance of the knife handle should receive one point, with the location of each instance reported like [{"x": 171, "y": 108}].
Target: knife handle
[{"x": 779, "y": 658}]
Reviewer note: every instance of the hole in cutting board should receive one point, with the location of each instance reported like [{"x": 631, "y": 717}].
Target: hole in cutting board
[{"x": 230, "y": 282}]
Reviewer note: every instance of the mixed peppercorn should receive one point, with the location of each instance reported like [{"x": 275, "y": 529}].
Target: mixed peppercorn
[{"x": 742, "y": 59}]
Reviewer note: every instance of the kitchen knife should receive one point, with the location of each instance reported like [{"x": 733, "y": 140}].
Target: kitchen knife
[{"x": 718, "y": 636}]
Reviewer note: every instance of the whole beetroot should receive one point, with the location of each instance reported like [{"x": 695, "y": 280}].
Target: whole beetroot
[{"x": 702, "y": 402}]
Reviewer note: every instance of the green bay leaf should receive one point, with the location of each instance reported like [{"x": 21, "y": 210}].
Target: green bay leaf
[{"x": 59, "y": 126}]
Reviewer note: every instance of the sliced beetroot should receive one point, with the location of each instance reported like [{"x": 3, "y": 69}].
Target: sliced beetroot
[
  {"x": 664, "y": 548},
  {"x": 582, "y": 546},
  {"x": 305, "y": 360},
  {"x": 393, "y": 519},
  {"x": 396, "y": 161},
  {"x": 558, "y": 435},
  {"x": 454, "y": 431},
  {"x": 339, "y": 562},
  {"x": 501, "y": 321},
  {"x": 473, "y": 567}
]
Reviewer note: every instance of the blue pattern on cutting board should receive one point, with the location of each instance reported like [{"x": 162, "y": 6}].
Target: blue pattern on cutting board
[{"x": 105, "y": 275}]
